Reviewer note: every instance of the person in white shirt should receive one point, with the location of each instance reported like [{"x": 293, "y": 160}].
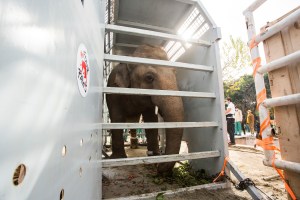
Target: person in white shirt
[
  {"x": 230, "y": 111},
  {"x": 238, "y": 121}
]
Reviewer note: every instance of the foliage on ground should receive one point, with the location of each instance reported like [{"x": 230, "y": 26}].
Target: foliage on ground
[{"x": 184, "y": 176}]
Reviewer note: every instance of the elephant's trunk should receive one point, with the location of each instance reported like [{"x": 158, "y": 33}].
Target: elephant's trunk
[{"x": 171, "y": 109}]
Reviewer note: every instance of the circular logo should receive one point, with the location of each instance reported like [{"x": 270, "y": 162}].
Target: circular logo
[{"x": 83, "y": 70}]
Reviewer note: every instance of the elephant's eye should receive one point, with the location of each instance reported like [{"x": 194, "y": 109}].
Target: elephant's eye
[{"x": 149, "y": 78}]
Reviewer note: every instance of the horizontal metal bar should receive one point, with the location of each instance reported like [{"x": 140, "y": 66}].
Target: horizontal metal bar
[
  {"x": 146, "y": 26},
  {"x": 281, "y": 62},
  {"x": 154, "y": 62},
  {"x": 188, "y": 1},
  {"x": 290, "y": 19},
  {"x": 254, "y": 193},
  {"x": 283, "y": 164},
  {"x": 171, "y": 193},
  {"x": 159, "y": 125},
  {"x": 152, "y": 34},
  {"x": 159, "y": 159},
  {"x": 136, "y": 91},
  {"x": 282, "y": 101},
  {"x": 126, "y": 45}
]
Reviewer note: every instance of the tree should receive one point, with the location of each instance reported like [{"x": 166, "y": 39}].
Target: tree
[
  {"x": 238, "y": 85},
  {"x": 242, "y": 92},
  {"x": 236, "y": 59}
]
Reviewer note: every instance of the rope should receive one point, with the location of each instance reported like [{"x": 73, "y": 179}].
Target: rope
[
  {"x": 261, "y": 96},
  {"x": 287, "y": 187},
  {"x": 222, "y": 173},
  {"x": 256, "y": 64},
  {"x": 253, "y": 43}
]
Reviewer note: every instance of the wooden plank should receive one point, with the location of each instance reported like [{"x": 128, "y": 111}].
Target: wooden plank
[
  {"x": 285, "y": 81},
  {"x": 159, "y": 159}
]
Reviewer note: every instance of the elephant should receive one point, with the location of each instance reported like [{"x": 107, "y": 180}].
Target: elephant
[{"x": 124, "y": 108}]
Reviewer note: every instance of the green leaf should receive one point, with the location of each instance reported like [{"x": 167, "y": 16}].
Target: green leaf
[{"x": 160, "y": 196}]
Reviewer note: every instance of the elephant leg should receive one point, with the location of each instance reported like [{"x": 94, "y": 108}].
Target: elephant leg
[
  {"x": 151, "y": 134},
  {"x": 172, "y": 147},
  {"x": 171, "y": 109},
  {"x": 116, "y": 116},
  {"x": 118, "y": 150}
]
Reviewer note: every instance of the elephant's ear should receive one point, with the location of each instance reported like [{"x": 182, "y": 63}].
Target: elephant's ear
[{"x": 122, "y": 78}]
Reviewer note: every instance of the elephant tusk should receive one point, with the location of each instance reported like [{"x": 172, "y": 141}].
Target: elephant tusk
[{"x": 156, "y": 110}]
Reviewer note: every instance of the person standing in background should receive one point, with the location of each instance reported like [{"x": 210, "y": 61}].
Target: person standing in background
[
  {"x": 230, "y": 120},
  {"x": 238, "y": 121},
  {"x": 250, "y": 121}
]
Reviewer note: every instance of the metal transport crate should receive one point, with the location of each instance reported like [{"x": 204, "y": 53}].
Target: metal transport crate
[{"x": 56, "y": 57}]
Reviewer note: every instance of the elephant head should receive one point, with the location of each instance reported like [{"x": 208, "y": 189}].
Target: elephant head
[{"x": 129, "y": 107}]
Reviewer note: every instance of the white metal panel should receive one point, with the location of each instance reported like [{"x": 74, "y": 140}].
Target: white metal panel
[
  {"x": 164, "y": 13},
  {"x": 41, "y": 107},
  {"x": 196, "y": 109}
]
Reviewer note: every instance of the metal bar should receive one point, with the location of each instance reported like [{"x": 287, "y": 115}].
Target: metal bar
[
  {"x": 152, "y": 34},
  {"x": 171, "y": 193},
  {"x": 158, "y": 159},
  {"x": 135, "y": 91},
  {"x": 192, "y": 23},
  {"x": 283, "y": 164},
  {"x": 154, "y": 62},
  {"x": 281, "y": 62},
  {"x": 146, "y": 26},
  {"x": 282, "y": 101},
  {"x": 126, "y": 45},
  {"x": 256, "y": 4},
  {"x": 259, "y": 82},
  {"x": 187, "y": 1},
  {"x": 158, "y": 125},
  {"x": 199, "y": 28},
  {"x": 290, "y": 19},
  {"x": 255, "y": 193}
]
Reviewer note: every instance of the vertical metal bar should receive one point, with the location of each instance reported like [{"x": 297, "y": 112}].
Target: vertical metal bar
[{"x": 259, "y": 83}]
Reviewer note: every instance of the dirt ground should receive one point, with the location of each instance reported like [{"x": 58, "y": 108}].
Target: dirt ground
[
  {"x": 249, "y": 162},
  {"x": 136, "y": 180}
]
